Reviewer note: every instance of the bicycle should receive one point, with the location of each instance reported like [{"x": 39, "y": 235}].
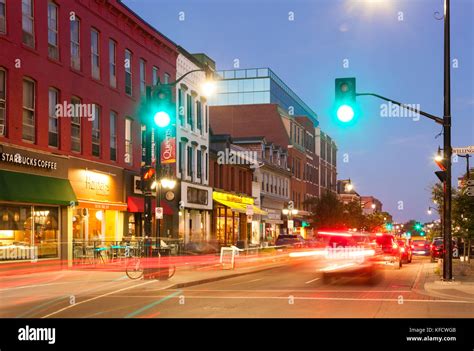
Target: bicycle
[{"x": 135, "y": 269}]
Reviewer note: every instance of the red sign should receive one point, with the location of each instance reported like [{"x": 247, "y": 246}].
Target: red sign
[{"x": 168, "y": 151}]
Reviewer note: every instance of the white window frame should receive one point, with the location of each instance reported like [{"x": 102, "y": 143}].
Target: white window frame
[
  {"x": 95, "y": 54},
  {"x": 30, "y": 109},
  {"x": 113, "y": 63},
  {"x": 75, "y": 45},
  {"x": 53, "y": 48},
  {"x": 53, "y": 117},
  {"x": 30, "y": 18}
]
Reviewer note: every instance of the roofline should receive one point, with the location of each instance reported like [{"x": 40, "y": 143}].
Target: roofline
[{"x": 148, "y": 25}]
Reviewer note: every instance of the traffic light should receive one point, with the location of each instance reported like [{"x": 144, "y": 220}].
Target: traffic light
[
  {"x": 389, "y": 226},
  {"x": 162, "y": 108},
  {"x": 345, "y": 99},
  {"x": 418, "y": 226},
  {"x": 147, "y": 178},
  {"x": 422, "y": 233},
  {"x": 304, "y": 224}
]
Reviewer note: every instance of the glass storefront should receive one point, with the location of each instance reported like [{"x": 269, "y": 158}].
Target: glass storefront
[
  {"x": 28, "y": 232},
  {"x": 95, "y": 225},
  {"x": 227, "y": 226}
]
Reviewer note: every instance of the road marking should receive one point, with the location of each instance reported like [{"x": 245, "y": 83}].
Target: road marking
[
  {"x": 140, "y": 310},
  {"x": 418, "y": 276},
  {"x": 312, "y": 280},
  {"x": 95, "y": 298},
  {"x": 300, "y": 290},
  {"x": 250, "y": 281}
]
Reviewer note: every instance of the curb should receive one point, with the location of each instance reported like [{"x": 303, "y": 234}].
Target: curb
[{"x": 436, "y": 292}]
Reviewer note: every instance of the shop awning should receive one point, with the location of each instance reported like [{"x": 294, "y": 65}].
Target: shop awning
[
  {"x": 31, "y": 188},
  {"x": 137, "y": 204},
  {"x": 240, "y": 207}
]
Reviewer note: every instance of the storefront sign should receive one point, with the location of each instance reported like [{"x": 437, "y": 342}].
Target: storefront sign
[
  {"x": 98, "y": 183},
  {"x": 233, "y": 198},
  {"x": 22, "y": 160}
]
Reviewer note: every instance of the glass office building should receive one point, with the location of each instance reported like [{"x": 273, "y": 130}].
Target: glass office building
[{"x": 258, "y": 86}]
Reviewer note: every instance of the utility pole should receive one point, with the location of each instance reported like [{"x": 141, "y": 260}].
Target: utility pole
[{"x": 447, "y": 149}]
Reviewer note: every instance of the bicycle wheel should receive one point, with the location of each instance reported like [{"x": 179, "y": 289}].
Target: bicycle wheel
[{"x": 134, "y": 269}]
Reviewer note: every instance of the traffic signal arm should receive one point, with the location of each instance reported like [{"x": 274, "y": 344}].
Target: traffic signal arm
[{"x": 425, "y": 114}]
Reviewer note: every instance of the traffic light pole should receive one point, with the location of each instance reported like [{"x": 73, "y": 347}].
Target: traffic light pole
[
  {"x": 447, "y": 148},
  {"x": 148, "y": 211}
]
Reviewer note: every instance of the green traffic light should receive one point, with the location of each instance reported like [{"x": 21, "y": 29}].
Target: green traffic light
[
  {"x": 345, "y": 113},
  {"x": 162, "y": 119}
]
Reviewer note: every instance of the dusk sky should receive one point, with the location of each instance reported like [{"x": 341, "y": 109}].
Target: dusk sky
[{"x": 389, "y": 158}]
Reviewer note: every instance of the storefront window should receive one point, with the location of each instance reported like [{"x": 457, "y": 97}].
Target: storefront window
[
  {"x": 28, "y": 232},
  {"x": 227, "y": 226}
]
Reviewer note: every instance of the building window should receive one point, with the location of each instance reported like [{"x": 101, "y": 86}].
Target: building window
[
  {"x": 155, "y": 75},
  {"x": 53, "y": 129},
  {"x": 199, "y": 164},
  {"x": 199, "y": 115},
  {"x": 166, "y": 78},
  {"x": 75, "y": 44},
  {"x": 3, "y": 17},
  {"x": 206, "y": 165},
  {"x": 181, "y": 107},
  {"x": 128, "y": 72},
  {"x": 95, "y": 58},
  {"x": 113, "y": 136},
  {"x": 190, "y": 161},
  {"x": 189, "y": 111},
  {"x": 28, "y": 22},
  {"x": 53, "y": 50},
  {"x": 128, "y": 141},
  {"x": 112, "y": 63},
  {"x": 3, "y": 101},
  {"x": 142, "y": 76},
  {"x": 75, "y": 127},
  {"x": 96, "y": 131},
  {"x": 181, "y": 157},
  {"x": 28, "y": 133}
]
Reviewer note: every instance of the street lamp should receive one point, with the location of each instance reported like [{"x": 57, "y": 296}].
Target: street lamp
[{"x": 430, "y": 210}]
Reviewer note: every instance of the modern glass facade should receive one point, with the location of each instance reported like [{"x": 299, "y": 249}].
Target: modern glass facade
[{"x": 258, "y": 86}]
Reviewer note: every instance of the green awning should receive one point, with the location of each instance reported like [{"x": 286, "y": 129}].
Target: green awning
[{"x": 30, "y": 188}]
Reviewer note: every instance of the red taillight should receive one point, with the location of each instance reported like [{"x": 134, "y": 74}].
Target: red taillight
[{"x": 403, "y": 249}]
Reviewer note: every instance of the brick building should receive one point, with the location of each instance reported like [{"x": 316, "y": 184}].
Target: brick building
[{"x": 72, "y": 74}]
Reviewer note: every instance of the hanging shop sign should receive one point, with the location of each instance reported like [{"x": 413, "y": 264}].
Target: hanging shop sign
[{"x": 168, "y": 148}]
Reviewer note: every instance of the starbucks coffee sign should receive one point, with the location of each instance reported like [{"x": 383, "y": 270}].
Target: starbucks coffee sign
[{"x": 22, "y": 160}]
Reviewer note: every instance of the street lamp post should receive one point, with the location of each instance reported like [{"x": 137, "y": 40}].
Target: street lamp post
[{"x": 164, "y": 91}]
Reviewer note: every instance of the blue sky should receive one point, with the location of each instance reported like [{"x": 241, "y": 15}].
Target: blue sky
[{"x": 390, "y": 158}]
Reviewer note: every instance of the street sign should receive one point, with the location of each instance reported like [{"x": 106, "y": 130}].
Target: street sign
[
  {"x": 470, "y": 191},
  {"x": 464, "y": 150},
  {"x": 291, "y": 224},
  {"x": 159, "y": 212},
  {"x": 249, "y": 210}
]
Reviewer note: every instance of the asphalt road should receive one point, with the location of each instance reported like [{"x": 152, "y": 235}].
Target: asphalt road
[{"x": 293, "y": 290}]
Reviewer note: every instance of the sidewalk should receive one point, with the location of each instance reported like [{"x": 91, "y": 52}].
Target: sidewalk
[{"x": 462, "y": 288}]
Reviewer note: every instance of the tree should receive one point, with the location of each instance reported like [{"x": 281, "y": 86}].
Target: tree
[
  {"x": 375, "y": 222},
  {"x": 463, "y": 217},
  {"x": 352, "y": 215},
  {"x": 328, "y": 211}
]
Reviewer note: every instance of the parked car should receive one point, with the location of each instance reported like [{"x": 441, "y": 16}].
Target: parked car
[
  {"x": 437, "y": 249},
  {"x": 291, "y": 240},
  {"x": 405, "y": 249},
  {"x": 421, "y": 247}
]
